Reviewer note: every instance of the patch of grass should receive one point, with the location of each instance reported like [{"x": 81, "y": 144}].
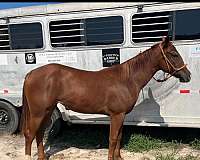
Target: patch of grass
[
  {"x": 140, "y": 143},
  {"x": 195, "y": 144}
]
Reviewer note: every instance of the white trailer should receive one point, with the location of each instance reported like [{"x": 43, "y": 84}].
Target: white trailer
[{"x": 92, "y": 36}]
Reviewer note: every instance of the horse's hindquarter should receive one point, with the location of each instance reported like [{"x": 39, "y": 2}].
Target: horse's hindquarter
[{"x": 41, "y": 87}]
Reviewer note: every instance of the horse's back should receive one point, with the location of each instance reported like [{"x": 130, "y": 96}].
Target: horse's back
[
  {"x": 58, "y": 82},
  {"x": 45, "y": 72},
  {"x": 80, "y": 90}
]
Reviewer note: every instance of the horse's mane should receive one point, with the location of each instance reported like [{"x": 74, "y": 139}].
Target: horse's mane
[
  {"x": 141, "y": 59},
  {"x": 137, "y": 62}
]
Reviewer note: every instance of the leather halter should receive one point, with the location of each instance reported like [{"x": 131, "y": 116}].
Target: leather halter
[{"x": 167, "y": 61}]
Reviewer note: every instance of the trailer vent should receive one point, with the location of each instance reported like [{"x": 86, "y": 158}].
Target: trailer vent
[
  {"x": 4, "y": 37},
  {"x": 151, "y": 27},
  {"x": 87, "y": 32},
  {"x": 67, "y": 33}
]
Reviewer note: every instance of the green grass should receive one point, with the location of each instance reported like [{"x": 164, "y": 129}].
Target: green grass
[
  {"x": 195, "y": 144},
  {"x": 140, "y": 143}
]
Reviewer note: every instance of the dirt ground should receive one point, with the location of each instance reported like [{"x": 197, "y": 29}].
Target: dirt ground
[{"x": 12, "y": 148}]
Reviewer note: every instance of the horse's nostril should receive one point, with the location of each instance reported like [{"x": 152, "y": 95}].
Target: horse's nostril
[{"x": 190, "y": 77}]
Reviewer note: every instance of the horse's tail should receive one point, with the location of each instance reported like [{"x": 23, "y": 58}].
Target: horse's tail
[
  {"x": 23, "y": 114},
  {"x": 25, "y": 111}
]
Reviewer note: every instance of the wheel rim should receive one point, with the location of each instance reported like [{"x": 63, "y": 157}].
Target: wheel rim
[{"x": 4, "y": 118}]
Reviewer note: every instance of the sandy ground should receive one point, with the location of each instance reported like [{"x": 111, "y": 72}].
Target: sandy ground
[{"x": 12, "y": 148}]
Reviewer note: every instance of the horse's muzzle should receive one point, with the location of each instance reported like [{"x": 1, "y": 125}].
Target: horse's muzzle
[{"x": 184, "y": 76}]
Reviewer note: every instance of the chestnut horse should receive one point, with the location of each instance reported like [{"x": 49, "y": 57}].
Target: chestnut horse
[{"x": 111, "y": 91}]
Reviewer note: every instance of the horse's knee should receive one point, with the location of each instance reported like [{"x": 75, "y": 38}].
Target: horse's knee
[
  {"x": 113, "y": 141},
  {"x": 28, "y": 136}
]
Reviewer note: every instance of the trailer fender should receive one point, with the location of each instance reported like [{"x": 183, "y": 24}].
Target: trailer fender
[{"x": 64, "y": 112}]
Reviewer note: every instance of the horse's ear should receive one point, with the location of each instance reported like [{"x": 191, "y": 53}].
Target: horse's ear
[{"x": 165, "y": 41}]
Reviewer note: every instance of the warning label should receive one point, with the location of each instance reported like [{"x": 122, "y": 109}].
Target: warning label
[{"x": 58, "y": 57}]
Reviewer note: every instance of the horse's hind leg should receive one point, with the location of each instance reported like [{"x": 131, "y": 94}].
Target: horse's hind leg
[
  {"x": 29, "y": 134},
  {"x": 115, "y": 126},
  {"x": 40, "y": 136},
  {"x": 40, "y": 146},
  {"x": 31, "y": 129}
]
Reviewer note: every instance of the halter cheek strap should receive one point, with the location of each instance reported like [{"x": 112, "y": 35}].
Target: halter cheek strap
[{"x": 167, "y": 61}]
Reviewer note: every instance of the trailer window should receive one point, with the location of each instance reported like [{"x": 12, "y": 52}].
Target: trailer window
[
  {"x": 87, "y": 32},
  {"x": 66, "y": 33},
  {"x": 151, "y": 27},
  {"x": 104, "y": 30},
  {"x": 26, "y": 36},
  {"x": 187, "y": 24}
]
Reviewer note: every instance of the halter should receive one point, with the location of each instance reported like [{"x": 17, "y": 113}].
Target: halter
[{"x": 168, "y": 66}]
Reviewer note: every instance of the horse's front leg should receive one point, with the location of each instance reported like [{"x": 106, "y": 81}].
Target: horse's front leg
[
  {"x": 115, "y": 126},
  {"x": 117, "y": 154}
]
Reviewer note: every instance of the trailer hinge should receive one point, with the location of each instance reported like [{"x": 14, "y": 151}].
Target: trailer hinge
[{"x": 140, "y": 8}]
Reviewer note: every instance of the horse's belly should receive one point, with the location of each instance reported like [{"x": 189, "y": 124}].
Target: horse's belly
[{"x": 83, "y": 106}]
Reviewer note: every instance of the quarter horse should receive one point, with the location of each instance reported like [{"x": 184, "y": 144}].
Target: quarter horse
[{"x": 111, "y": 91}]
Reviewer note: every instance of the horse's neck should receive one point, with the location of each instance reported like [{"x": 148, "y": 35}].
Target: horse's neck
[{"x": 141, "y": 73}]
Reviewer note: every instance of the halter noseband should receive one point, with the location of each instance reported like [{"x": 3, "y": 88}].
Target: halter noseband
[{"x": 168, "y": 66}]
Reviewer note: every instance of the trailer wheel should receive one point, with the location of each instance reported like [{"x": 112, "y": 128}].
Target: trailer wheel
[
  {"x": 54, "y": 125},
  {"x": 9, "y": 118}
]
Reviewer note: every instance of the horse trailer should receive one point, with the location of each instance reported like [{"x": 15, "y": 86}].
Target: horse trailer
[{"x": 92, "y": 36}]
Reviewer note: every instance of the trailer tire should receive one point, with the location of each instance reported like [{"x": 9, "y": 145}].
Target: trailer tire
[
  {"x": 9, "y": 118},
  {"x": 54, "y": 126}
]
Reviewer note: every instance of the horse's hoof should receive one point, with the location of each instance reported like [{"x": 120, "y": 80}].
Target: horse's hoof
[
  {"x": 41, "y": 158},
  {"x": 118, "y": 158},
  {"x": 27, "y": 157}
]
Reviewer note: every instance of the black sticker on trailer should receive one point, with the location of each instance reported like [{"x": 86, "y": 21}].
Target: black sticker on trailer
[
  {"x": 30, "y": 58},
  {"x": 110, "y": 57}
]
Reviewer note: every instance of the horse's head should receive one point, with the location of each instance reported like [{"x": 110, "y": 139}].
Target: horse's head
[{"x": 172, "y": 62}]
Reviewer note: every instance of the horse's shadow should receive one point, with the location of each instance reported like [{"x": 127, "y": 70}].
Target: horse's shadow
[
  {"x": 77, "y": 135},
  {"x": 148, "y": 111}
]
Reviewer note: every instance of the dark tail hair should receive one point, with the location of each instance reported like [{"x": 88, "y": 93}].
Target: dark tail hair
[
  {"x": 25, "y": 108},
  {"x": 24, "y": 113}
]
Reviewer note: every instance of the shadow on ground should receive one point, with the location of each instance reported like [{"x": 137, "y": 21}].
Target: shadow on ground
[{"x": 96, "y": 136}]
